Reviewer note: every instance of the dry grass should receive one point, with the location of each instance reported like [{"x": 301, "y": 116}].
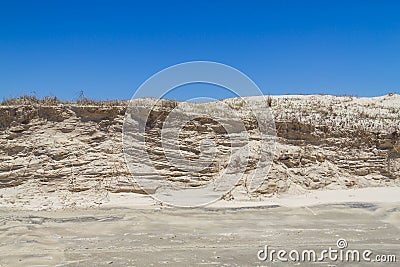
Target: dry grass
[{"x": 28, "y": 100}]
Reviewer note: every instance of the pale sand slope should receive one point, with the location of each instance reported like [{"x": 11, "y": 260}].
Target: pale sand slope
[{"x": 33, "y": 196}]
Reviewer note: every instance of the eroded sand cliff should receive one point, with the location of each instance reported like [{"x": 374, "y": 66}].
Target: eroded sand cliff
[{"x": 323, "y": 142}]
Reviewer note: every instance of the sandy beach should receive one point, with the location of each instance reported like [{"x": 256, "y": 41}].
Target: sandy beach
[{"x": 134, "y": 230}]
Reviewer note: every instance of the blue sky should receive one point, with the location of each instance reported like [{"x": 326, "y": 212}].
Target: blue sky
[{"x": 108, "y": 48}]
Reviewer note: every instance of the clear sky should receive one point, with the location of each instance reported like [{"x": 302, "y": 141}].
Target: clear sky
[{"x": 108, "y": 48}]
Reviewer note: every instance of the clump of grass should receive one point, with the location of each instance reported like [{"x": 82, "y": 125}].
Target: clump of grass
[
  {"x": 269, "y": 101},
  {"x": 236, "y": 104}
]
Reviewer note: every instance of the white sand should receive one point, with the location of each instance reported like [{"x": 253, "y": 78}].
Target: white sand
[
  {"x": 29, "y": 197},
  {"x": 322, "y": 197}
]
